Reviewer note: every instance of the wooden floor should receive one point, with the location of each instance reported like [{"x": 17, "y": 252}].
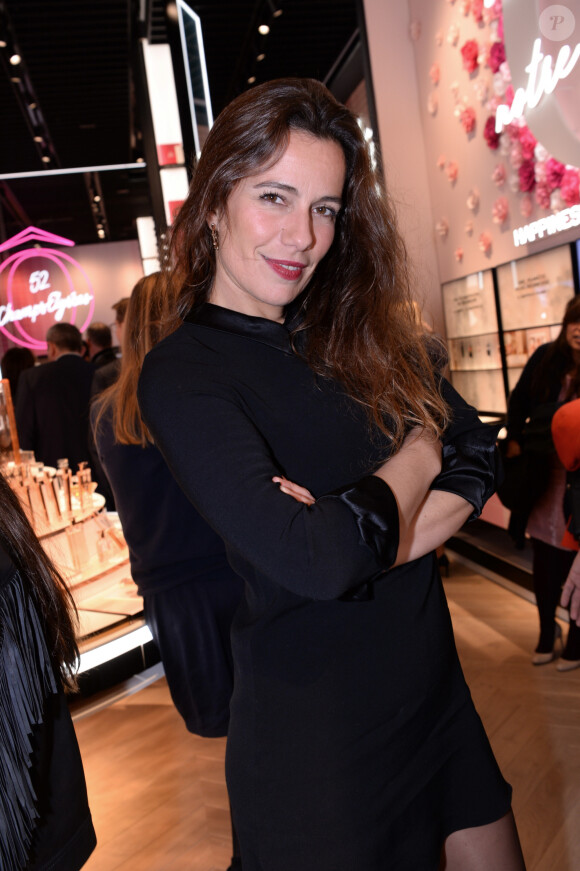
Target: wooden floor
[{"x": 158, "y": 795}]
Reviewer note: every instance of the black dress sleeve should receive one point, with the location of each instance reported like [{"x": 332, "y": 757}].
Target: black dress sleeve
[
  {"x": 522, "y": 400},
  {"x": 225, "y": 467},
  {"x": 470, "y": 461}
]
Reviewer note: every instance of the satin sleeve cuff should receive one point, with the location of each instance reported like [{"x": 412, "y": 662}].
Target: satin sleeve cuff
[
  {"x": 470, "y": 467},
  {"x": 377, "y": 515}
]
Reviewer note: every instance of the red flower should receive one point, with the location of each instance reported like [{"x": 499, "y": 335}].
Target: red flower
[
  {"x": 467, "y": 119},
  {"x": 477, "y": 9},
  {"x": 496, "y": 56},
  {"x": 542, "y": 194},
  {"x": 489, "y": 134},
  {"x": 527, "y": 175},
  {"x": 570, "y": 187},
  {"x": 554, "y": 173},
  {"x": 470, "y": 52},
  {"x": 528, "y": 142}
]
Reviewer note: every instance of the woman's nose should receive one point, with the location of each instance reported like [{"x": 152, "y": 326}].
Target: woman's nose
[{"x": 298, "y": 230}]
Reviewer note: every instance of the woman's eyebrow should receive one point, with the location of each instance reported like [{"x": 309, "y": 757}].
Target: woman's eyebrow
[{"x": 292, "y": 190}]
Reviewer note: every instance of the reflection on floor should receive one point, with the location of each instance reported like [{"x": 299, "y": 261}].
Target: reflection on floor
[{"x": 158, "y": 795}]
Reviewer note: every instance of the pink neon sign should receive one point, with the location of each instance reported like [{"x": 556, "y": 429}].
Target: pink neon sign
[{"x": 39, "y": 287}]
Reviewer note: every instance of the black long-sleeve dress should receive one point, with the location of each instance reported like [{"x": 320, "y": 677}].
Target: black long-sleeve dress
[{"x": 353, "y": 742}]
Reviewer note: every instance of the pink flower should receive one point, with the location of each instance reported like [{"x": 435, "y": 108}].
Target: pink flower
[
  {"x": 465, "y": 6},
  {"x": 527, "y": 175},
  {"x": 459, "y": 254},
  {"x": 500, "y": 210},
  {"x": 509, "y": 94},
  {"x": 489, "y": 134},
  {"x": 441, "y": 161},
  {"x": 442, "y": 227},
  {"x": 516, "y": 156},
  {"x": 540, "y": 172},
  {"x": 472, "y": 201},
  {"x": 469, "y": 53},
  {"x": 542, "y": 195},
  {"x": 468, "y": 118},
  {"x": 496, "y": 56},
  {"x": 453, "y": 34},
  {"x": 485, "y": 242},
  {"x": 435, "y": 73},
  {"x": 452, "y": 171},
  {"x": 477, "y": 9},
  {"x": 526, "y": 206},
  {"x": 528, "y": 142},
  {"x": 554, "y": 173},
  {"x": 570, "y": 187},
  {"x": 499, "y": 174}
]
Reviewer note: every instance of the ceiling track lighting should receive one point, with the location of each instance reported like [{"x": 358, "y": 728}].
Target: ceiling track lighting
[
  {"x": 97, "y": 206},
  {"x": 15, "y": 59}
]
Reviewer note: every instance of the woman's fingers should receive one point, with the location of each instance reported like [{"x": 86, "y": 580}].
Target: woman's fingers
[
  {"x": 301, "y": 494},
  {"x": 571, "y": 591}
]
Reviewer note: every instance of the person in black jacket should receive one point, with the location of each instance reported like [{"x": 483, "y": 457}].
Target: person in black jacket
[
  {"x": 551, "y": 375},
  {"x": 52, "y": 408},
  {"x": 45, "y": 821}
]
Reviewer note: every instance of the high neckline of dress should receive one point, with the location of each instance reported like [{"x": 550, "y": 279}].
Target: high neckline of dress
[{"x": 250, "y": 327}]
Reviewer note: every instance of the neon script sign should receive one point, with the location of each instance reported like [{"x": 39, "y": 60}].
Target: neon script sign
[
  {"x": 543, "y": 76},
  {"x": 40, "y": 286}
]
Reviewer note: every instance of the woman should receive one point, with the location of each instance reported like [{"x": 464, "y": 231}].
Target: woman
[
  {"x": 45, "y": 818},
  {"x": 353, "y": 741},
  {"x": 179, "y": 564},
  {"x": 551, "y": 375}
]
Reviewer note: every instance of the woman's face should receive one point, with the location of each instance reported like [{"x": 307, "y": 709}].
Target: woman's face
[
  {"x": 573, "y": 337},
  {"x": 276, "y": 228}
]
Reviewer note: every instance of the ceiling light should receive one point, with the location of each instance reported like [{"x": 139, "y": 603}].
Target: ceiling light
[
  {"x": 15, "y": 59},
  {"x": 277, "y": 13},
  {"x": 45, "y": 158},
  {"x": 38, "y": 139},
  {"x": 15, "y": 80},
  {"x": 251, "y": 80},
  {"x": 3, "y": 43},
  {"x": 97, "y": 199},
  {"x": 101, "y": 234},
  {"x": 263, "y": 29},
  {"x": 32, "y": 105},
  {"x": 261, "y": 57}
]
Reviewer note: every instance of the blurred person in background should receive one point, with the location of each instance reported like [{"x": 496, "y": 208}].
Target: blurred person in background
[
  {"x": 178, "y": 562},
  {"x": 551, "y": 376},
  {"x": 52, "y": 407},
  {"x": 99, "y": 341}
]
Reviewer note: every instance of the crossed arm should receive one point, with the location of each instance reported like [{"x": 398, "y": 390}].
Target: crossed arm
[{"x": 427, "y": 518}]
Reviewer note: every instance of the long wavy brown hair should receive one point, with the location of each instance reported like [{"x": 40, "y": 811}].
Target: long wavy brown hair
[
  {"x": 357, "y": 312},
  {"x": 144, "y": 325},
  {"x": 43, "y": 582}
]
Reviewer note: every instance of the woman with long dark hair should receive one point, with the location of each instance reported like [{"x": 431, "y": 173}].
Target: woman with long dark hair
[
  {"x": 178, "y": 562},
  {"x": 551, "y": 375},
  {"x": 297, "y": 368},
  {"x": 44, "y": 813}
]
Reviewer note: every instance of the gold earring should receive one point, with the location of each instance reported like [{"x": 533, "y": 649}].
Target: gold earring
[{"x": 214, "y": 237}]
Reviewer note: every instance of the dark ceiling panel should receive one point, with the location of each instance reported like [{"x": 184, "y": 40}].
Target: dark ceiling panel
[{"x": 78, "y": 63}]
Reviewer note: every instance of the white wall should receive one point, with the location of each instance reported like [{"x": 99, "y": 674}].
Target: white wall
[
  {"x": 401, "y": 137},
  {"x": 113, "y": 269}
]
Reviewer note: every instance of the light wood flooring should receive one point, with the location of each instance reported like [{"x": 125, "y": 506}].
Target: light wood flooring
[{"x": 158, "y": 795}]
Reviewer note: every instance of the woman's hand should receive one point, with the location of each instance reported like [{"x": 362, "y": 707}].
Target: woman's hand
[
  {"x": 571, "y": 591},
  {"x": 301, "y": 494}
]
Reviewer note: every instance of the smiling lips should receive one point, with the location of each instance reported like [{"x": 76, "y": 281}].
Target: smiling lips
[{"x": 288, "y": 269}]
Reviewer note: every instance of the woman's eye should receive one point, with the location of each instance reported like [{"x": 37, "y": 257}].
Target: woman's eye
[
  {"x": 325, "y": 211},
  {"x": 271, "y": 197}
]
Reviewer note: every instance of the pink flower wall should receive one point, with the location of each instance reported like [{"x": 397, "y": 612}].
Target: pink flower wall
[{"x": 483, "y": 184}]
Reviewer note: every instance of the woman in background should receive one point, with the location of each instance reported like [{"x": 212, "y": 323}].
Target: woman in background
[
  {"x": 45, "y": 821},
  {"x": 179, "y": 564},
  {"x": 551, "y": 375}
]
